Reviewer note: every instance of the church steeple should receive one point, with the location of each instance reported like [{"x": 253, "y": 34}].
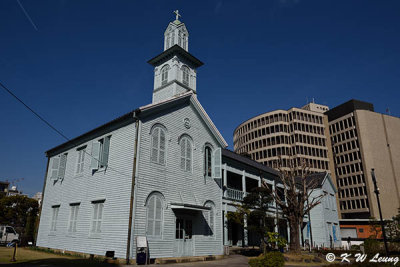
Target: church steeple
[
  {"x": 176, "y": 33},
  {"x": 175, "y": 68}
]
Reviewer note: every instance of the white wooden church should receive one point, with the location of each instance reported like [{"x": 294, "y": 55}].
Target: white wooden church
[
  {"x": 155, "y": 172},
  {"x": 152, "y": 172}
]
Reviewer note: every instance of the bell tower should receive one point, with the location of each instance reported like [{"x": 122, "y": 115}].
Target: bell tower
[{"x": 175, "y": 69}]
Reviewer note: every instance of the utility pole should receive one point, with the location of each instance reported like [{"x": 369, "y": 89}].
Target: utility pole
[{"x": 376, "y": 190}]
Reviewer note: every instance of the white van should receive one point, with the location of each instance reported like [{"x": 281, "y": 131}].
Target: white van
[{"x": 8, "y": 235}]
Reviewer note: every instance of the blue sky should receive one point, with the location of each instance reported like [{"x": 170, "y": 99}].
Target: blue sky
[{"x": 86, "y": 63}]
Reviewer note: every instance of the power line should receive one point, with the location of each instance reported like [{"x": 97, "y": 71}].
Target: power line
[
  {"x": 34, "y": 112},
  {"x": 51, "y": 126},
  {"x": 27, "y": 15}
]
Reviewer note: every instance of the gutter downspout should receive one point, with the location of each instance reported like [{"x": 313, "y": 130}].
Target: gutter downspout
[
  {"x": 41, "y": 204},
  {"x": 128, "y": 245}
]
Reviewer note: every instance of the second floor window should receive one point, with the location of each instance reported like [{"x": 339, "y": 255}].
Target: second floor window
[
  {"x": 164, "y": 74},
  {"x": 186, "y": 154},
  {"x": 81, "y": 159},
  {"x": 158, "y": 145},
  {"x": 100, "y": 152},
  {"x": 208, "y": 161},
  {"x": 58, "y": 166}
]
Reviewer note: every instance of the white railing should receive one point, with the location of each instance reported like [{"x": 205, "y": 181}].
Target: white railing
[{"x": 234, "y": 194}]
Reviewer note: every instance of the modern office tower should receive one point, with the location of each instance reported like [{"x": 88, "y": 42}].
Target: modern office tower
[
  {"x": 363, "y": 139},
  {"x": 297, "y": 133}
]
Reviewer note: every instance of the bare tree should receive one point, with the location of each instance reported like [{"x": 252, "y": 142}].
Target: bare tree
[{"x": 296, "y": 200}]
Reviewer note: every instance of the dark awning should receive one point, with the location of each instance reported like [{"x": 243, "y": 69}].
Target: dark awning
[{"x": 182, "y": 206}]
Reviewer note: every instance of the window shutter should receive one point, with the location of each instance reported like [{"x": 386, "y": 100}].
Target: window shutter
[
  {"x": 54, "y": 168},
  {"x": 211, "y": 220},
  {"x": 154, "y": 144},
  {"x": 150, "y": 216},
  {"x": 188, "y": 155},
  {"x": 95, "y": 155},
  {"x": 161, "y": 159},
  {"x": 63, "y": 164},
  {"x": 106, "y": 148},
  {"x": 158, "y": 216},
  {"x": 217, "y": 163},
  {"x": 83, "y": 152},
  {"x": 183, "y": 142}
]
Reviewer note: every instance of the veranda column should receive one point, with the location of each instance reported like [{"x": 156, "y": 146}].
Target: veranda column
[
  {"x": 245, "y": 234},
  {"x": 225, "y": 181},
  {"x": 226, "y": 242}
]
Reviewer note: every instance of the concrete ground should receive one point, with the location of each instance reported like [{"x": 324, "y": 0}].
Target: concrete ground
[{"x": 231, "y": 261}]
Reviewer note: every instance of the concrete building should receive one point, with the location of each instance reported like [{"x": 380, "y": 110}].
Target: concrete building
[
  {"x": 300, "y": 134},
  {"x": 363, "y": 139}
]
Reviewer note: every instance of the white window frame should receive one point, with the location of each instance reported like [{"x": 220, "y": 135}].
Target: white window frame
[
  {"x": 58, "y": 167},
  {"x": 73, "y": 217},
  {"x": 97, "y": 218},
  {"x": 185, "y": 144},
  {"x": 80, "y": 161},
  {"x": 156, "y": 150},
  {"x": 151, "y": 232},
  {"x": 54, "y": 218}
]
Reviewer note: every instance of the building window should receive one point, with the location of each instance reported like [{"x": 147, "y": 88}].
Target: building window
[
  {"x": 208, "y": 161},
  {"x": 97, "y": 217},
  {"x": 154, "y": 215},
  {"x": 58, "y": 167},
  {"x": 73, "y": 217},
  {"x": 53, "y": 226},
  {"x": 100, "y": 153},
  {"x": 186, "y": 154},
  {"x": 81, "y": 160},
  {"x": 185, "y": 78},
  {"x": 157, "y": 154},
  {"x": 164, "y": 74}
]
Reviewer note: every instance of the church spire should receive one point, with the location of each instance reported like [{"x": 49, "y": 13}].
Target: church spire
[
  {"x": 176, "y": 34},
  {"x": 175, "y": 69}
]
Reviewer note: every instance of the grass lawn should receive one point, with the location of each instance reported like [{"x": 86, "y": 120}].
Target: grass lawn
[{"x": 27, "y": 256}]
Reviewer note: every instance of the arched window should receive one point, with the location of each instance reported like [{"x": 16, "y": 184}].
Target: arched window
[
  {"x": 185, "y": 76},
  {"x": 157, "y": 154},
  {"x": 155, "y": 210},
  {"x": 164, "y": 74},
  {"x": 210, "y": 218},
  {"x": 207, "y": 161},
  {"x": 186, "y": 154}
]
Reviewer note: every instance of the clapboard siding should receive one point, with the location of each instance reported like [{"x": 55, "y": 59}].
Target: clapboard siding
[
  {"x": 173, "y": 182},
  {"x": 113, "y": 185}
]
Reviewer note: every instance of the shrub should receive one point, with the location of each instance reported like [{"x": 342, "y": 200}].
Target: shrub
[
  {"x": 372, "y": 246},
  {"x": 270, "y": 259}
]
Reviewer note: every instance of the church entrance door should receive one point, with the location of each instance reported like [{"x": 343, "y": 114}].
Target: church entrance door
[{"x": 183, "y": 237}]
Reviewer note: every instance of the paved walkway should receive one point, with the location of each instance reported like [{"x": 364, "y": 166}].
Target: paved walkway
[{"x": 231, "y": 261}]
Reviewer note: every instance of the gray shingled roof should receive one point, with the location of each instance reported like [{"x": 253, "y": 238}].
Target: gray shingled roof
[{"x": 230, "y": 154}]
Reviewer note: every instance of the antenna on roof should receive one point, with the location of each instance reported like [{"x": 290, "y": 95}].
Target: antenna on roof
[
  {"x": 313, "y": 100},
  {"x": 388, "y": 111}
]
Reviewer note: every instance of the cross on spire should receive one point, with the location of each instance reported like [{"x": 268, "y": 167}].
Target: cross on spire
[{"x": 177, "y": 14}]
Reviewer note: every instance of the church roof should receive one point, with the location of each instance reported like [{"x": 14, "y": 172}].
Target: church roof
[
  {"x": 175, "y": 50},
  {"x": 129, "y": 118}
]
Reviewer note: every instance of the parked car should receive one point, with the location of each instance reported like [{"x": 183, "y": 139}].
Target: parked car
[{"x": 8, "y": 236}]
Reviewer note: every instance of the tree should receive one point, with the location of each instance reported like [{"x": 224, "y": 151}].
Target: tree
[
  {"x": 393, "y": 228},
  {"x": 295, "y": 199},
  {"x": 21, "y": 213},
  {"x": 254, "y": 209}
]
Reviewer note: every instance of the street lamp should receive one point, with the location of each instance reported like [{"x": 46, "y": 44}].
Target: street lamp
[{"x": 376, "y": 190}]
